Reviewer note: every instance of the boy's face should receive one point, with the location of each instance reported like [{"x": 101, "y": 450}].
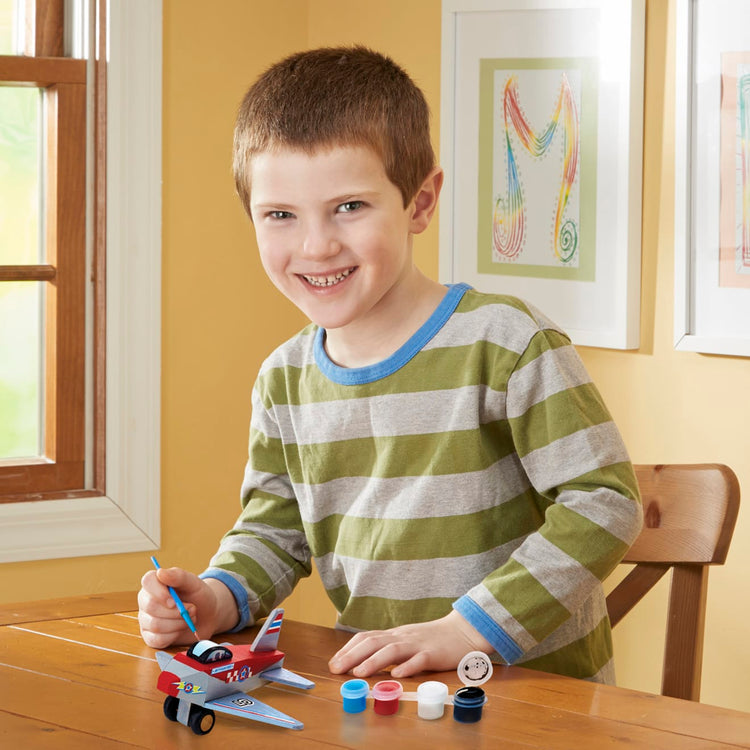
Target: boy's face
[{"x": 333, "y": 234}]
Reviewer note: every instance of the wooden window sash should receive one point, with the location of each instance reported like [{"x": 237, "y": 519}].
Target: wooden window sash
[
  {"x": 45, "y": 37},
  {"x": 60, "y": 471}
]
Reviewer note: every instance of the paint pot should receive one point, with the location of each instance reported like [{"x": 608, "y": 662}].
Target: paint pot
[
  {"x": 431, "y": 697},
  {"x": 354, "y": 693},
  {"x": 467, "y": 704},
  {"x": 386, "y": 694}
]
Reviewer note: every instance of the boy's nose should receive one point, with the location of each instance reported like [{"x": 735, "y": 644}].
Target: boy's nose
[{"x": 319, "y": 242}]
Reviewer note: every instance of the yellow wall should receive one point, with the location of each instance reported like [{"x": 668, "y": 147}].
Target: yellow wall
[{"x": 221, "y": 316}]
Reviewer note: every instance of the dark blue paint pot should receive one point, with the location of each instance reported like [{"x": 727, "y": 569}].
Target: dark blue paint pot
[
  {"x": 354, "y": 693},
  {"x": 467, "y": 704}
]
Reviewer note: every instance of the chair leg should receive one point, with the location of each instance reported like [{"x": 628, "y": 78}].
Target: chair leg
[{"x": 683, "y": 654}]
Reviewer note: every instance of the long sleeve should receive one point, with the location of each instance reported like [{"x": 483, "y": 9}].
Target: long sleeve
[
  {"x": 265, "y": 554},
  {"x": 574, "y": 457}
]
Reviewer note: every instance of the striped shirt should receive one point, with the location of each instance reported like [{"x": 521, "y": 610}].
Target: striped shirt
[{"x": 476, "y": 468}]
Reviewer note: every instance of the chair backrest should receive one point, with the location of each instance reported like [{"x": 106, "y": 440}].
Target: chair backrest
[{"x": 689, "y": 515}]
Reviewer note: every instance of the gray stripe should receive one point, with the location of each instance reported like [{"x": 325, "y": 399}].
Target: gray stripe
[
  {"x": 297, "y": 352},
  {"x": 562, "y": 575},
  {"x": 569, "y": 457},
  {"x": 609, "y": 509},
  {"x": 413, "y": 497},
  {"x": 388, "y": 415},
  {"x": 292, "y": 541},
  {"x": 585, "y": 619},
  {"x": 552, "y": 372},
  {"x": 261, "y": 420},
  {"x": 274, "y": 484},
  {"x": 499, "y": 324},
  {"x": 411, "y": 579},
  {"x": 606, "y": 675}
]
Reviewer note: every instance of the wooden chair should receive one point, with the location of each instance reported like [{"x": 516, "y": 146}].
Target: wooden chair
[{"x": 689, "y": 516}]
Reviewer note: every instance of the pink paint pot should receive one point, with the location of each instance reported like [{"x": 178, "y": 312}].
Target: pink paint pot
[{"x": 386, "y": 695}]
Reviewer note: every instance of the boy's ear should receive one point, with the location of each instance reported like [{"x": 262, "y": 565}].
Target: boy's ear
[{"x": 425, "y": 201}]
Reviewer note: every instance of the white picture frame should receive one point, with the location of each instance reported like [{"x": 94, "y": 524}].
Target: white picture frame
[
  {"x": 503, "y": 56},
  {"x": 712, "y": 281}
]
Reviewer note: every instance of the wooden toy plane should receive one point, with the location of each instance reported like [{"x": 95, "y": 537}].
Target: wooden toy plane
[{"x": 212, "y": 677}]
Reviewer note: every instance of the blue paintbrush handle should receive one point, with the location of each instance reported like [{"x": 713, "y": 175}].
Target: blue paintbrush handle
[{"x": 180, "y": 606}]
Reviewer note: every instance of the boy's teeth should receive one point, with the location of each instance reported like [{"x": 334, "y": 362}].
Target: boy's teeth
[{"x": 328, "y": 280}]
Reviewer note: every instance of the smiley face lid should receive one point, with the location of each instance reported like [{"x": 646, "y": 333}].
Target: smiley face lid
[{"x": 474, "y": 669}]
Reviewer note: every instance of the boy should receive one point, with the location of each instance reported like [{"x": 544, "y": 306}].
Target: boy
[{"x": 441, "y": 453}]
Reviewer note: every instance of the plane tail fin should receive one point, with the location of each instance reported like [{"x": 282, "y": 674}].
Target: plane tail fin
[{"x": 268, "y": 637}]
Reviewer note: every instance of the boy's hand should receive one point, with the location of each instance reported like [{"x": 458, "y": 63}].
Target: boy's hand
[
  {"x": 434, "y": 646},
  {"x": 210, "y": 604}
]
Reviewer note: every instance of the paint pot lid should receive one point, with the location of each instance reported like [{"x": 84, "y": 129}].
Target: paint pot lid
[
  {"x": 475, "y": 668},
  {"x": 355, "y": 689},
  {"x": 387, "y": 690},
  {"x": 432, "y": 692}
]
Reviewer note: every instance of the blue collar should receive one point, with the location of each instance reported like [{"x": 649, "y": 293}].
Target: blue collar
[{"x": 371, "y": 373}]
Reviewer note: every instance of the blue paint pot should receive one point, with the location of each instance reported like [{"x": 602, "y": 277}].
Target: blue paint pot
[
  {"x": 354, "y": 693},
  {"x": 467, "y": 704}
]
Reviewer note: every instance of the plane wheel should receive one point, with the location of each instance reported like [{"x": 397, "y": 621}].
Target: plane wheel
[
  {"x": 201, "y": 720},
  {"x": 170, "y": 707}
]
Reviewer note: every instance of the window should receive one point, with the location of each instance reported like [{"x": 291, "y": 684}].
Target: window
[
  {"x": 85, "y": 501},
  {"x": 42, "y": 257}
]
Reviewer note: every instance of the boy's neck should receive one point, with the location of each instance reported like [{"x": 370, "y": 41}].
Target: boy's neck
[{"x": 388, "y": 328}]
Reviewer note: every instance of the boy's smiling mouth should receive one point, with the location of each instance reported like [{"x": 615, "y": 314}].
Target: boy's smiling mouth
[{"x": 326, "y": 280}]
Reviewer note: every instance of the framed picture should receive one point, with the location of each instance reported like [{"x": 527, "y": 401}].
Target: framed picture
[
  {"x": 712, "y": 177},
  {"x": 541, "y": 141}
]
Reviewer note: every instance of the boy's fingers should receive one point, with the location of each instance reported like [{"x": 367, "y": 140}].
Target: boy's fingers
[{"x": 359, "y": 647}]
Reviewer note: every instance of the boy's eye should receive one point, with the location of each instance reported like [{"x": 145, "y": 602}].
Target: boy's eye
[
  {"x": 349, "y": 206},
  {"x": 279, "y": 214}
]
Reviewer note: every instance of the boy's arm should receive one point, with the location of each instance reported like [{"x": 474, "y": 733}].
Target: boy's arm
[
  {"x": 575, "y": 459},
  {"x": 264, "y": 555}
]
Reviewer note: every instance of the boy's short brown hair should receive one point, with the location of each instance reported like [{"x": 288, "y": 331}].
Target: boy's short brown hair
[{"x": 337, "y": 96}]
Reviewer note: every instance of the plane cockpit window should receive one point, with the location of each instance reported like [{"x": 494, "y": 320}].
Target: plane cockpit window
[{"x": 208, "y": 652}]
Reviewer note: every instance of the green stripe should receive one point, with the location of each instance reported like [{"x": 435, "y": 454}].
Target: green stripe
[
  {"x": 572, "y": 410},
  {"x": 339, "y": 596},
  {"x": 434, "y": 369},
  {"x": 267, "y": 453},
  {"x": 424, "y": 538},
  {"x": 583, "y": 540},
  {"x": 375, "y": 613},
  {"x": 399, "y": 456},
  {"x": 261, "y": 506},
  {"x": 582, "y": 658},
  {"x": 247, "y": 567},
  {"x": 251, "y": 571},
  {"x": 529, "y": 603}
]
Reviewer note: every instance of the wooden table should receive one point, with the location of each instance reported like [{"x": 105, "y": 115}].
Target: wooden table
[{"x": 76, "y": 674}]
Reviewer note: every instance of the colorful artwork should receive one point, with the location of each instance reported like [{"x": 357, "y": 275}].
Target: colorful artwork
[
  {"x": 743, "y": 172},
  {"x": 734, "y": 246},
  {"x": 537, "y": 169}
]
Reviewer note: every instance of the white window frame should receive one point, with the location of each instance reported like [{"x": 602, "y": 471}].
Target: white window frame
[{"x": 127, "y": 518}]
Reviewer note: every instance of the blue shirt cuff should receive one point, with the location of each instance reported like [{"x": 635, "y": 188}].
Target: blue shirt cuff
[
  {"x": 505, "y": 646},
  {"x": 238, "y": 592}
]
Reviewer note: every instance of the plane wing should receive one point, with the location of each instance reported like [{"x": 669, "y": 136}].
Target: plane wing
[
  {"x": 241, "y": 704},
  {"x": 285, "y": 677}
]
